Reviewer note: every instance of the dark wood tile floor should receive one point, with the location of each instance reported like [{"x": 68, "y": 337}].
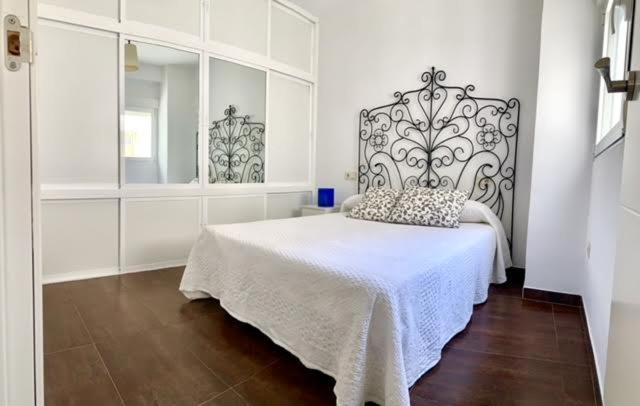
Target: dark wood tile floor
[{"x": 135, "y": 340}]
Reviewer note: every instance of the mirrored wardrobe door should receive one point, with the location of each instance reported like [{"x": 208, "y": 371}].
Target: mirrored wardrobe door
[
  {"x": 161, "y": 114},
  {"x": 236, "y": 136}
]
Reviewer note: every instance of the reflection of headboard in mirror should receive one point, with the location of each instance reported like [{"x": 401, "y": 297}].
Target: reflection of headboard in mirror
[
  {"x": 236, "y": 149},
  {"x": 442, "y": 136}
]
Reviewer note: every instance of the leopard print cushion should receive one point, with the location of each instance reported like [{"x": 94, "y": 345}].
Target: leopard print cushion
[
  {"x": 429, "y": 207},
  {"x": 376, "y": 205}
]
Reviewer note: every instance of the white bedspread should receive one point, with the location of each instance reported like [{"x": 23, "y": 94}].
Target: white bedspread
[{"x": 370, "y": 304}]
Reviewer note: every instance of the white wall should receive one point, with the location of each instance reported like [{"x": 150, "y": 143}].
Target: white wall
[
  {"x": 603, "y": 227},
  {"x": 564, "y": 137},
  {"x": 370, "y": 50}
]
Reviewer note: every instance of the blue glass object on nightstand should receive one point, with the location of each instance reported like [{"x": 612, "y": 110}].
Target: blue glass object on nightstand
[{"x": 325, "y": 197}]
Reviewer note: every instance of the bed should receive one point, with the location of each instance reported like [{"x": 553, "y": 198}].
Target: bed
[{"x": 372, "y": 304}]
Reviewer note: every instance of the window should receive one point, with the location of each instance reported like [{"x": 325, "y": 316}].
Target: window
[
  {"x": 138, "y": 134},
  {"x": 617, "y": 31}
]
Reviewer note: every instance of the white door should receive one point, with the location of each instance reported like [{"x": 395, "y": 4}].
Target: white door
[
  {"x": 622, "y": 385},
  {"x": 19, "y": 291}
]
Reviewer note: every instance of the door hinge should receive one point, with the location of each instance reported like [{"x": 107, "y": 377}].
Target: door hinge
[{"x": 17, "y": 43}]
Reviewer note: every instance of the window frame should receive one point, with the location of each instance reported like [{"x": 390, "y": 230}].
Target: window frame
[
  {"x": 604, "y": 140},
  {"x": 154, "y": 134}
]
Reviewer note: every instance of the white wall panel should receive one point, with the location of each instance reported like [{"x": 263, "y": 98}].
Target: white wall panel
[
  {"x": 288, "y": 137},
  {"x": 159, "y": 231},
  {"x": 603, "y": 229},
  {"x": 79, "y": 235},
  {"x": 240, "y": 209},
  {"x": 183, "y": 15},
  {"x": 77, "y": 105},
  {"x": 284, "y": 205},
  {"x": 106, "y": 8},
  {"x": 557, "y": 236},
  {"x": 623, "y": 357},
  {"x": 241, "y": 23},
  {"x": 291, "y": 38}
]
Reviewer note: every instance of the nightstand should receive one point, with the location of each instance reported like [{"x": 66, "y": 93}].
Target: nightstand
[{"x": 313, "y": 210}]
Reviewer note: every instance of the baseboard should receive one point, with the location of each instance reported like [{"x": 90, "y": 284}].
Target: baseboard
[
  {"x": 100, "y": 273},
  {"x": 79, "y": 275},
  {"x": 595, "y": 367},
  {"x": 154, "y": 267},
  {"x": 567, "y": 299}
]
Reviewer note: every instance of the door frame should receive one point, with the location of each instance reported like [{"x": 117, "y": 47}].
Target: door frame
[{"x": 21, "y": 340}]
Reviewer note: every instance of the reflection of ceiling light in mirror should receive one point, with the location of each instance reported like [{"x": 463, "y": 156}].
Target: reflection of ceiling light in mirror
[{"x": 131, "y": 63}]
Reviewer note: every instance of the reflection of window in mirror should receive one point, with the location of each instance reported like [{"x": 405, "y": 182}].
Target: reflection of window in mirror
[
  {"x": 139, "y": 134},
  {"x": 161, "y": 115},
  {"x": 236, "y": 128}
]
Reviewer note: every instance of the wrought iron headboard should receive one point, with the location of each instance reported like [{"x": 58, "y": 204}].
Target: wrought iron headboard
[
  {"x": 442, "y": 136},
  {"x": 236, "y": 149}
]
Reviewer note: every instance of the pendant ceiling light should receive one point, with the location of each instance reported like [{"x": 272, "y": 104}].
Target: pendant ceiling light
[{"x": 131, "y": 63}]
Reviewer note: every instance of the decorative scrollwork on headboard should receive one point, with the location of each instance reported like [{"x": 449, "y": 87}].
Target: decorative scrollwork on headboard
[
  {"x": 236, "y": 149},
  {"x": 442, "y": 136}
]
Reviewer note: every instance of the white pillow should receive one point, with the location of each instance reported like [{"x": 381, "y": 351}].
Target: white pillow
[
  {"x": 474, "y": 212},
  {"x": 351, "y": 202}
]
